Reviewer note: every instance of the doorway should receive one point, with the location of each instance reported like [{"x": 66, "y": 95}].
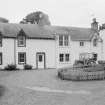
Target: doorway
[{"x": 40, "y": 60}]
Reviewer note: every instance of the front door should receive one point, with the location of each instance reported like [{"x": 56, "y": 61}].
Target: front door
[{"x": 40, "y": 60}]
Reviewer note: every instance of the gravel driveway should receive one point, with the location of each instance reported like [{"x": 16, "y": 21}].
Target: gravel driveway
[{"x": 42, "y": 87}]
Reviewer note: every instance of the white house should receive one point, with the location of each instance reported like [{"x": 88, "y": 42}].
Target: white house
[
  {"x": 73, "y": 42},
  {"x": 47, "y": 46},
  {"x": 26, "y": 44},
  {"x": 102, "y": 35}
]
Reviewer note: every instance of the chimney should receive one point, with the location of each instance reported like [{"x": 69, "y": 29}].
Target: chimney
[{"x": 94, "y": 25}]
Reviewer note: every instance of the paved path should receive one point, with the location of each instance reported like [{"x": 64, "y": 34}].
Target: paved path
[{"x": 47, "y": 89}]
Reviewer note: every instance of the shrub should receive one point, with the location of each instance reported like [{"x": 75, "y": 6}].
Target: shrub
[
  {"x": 101, "y": 62},
  {"x": 11, "y": 67},
  {"x": 27, "y": 67}
]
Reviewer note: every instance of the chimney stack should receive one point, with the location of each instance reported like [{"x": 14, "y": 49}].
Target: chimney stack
[{"x": 94, "y": 25}]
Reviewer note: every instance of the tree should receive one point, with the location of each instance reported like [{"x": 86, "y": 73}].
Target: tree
[
  {"x": 36, "y": 18},
  {"x": 102, "y": 27},
  {"x": 3, "y": 20}
]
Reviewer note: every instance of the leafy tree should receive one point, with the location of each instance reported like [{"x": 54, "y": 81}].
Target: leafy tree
[
  {"x": 36, "y": 18},
  {"x": 3, "y": 20},
  {"x": 102, "y": 27}
]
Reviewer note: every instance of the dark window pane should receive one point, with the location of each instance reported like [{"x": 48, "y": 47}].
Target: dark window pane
[
  {"x": 67, "y": 57},
  {"x": 0, "y": 58},
  {"x": 40, "y": 58},
  {"x": 95, "y": 42},
  {"x": 60, "y": 40},
  {"x": 66, "y": 40},
  {"x": 22, "y": 57},
  {"x": 0, "y": 41},
  {"x": 61, "y": 57},
  {"x": 21, "y": 40},
  {"x": 81, "y": 43}
]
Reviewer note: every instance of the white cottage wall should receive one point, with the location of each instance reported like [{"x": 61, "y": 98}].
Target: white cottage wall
[
  {"x": 7, "y": 51},
  {"x": 33, "y": 46}
]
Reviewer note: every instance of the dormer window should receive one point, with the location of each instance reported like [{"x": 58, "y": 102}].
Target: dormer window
[
  {"x": 66, "y": 40},
  {"x": 21, "y": 39},
  {"x": 63, "y": 40},
  {"x": 95, "y": 42},
  {"x": 0, "y": 39},
  {"x": 60, "y": 40}
]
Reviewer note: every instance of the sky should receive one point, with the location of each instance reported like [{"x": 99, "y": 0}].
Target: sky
[{"x": 76, "y": 13}]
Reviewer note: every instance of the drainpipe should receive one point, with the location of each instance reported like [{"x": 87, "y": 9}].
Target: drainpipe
[{"x": 15, "y": 51}]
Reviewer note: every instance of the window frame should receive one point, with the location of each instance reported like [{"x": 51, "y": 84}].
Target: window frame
[
  {"x": 81, "y": 43},
  {"x": 21, "y": 37},
  {"x": 1, "y": 55},
  {"x": 66, "y": 40},
  {"x": 23, "y": 41},
  {"x": 19, "y": 58},
  {"x": 0, "y": 39},
  {"x": 61, "y": 59},
  {"x": 60, "y": 40},
  {"x": 67, "y": 58},
  {"x": 95, "y": 42}
]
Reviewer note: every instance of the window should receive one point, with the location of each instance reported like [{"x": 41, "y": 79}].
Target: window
[
  {"x": 61, "y": 57},
  {"x": 66, "y": 40},
  {"x": 22, "y": 58},
  {"x": 95, "y": 57},
  {"x": 21, "y": 41},
  {"x": 81, "y": 43},
  {"x": 67, "y": 57},
  {"x": 95, "y": 42},
  {"x": 60, "y": 40},
  {"x": 40, "y": 58},
  {"x": 0, "y": 58},
  {"x": 0, "y": 41}
]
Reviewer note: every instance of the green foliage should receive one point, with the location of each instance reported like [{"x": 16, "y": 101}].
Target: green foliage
[
  {"x": 3, "y": 20},
  {"x": 36, "y": 18},
  {"x": 27, "y": 67},
  {"x": 11, "y": 67},
  {"x": 101, "y": 62}
]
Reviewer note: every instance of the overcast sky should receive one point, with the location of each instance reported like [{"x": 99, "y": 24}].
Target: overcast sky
[{"x": 78, "y": 13}]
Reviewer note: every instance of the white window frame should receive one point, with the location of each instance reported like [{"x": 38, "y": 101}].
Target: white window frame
[
  {"x": 61, "y": 58},
  {"x": 60, "y": 40},
  {"x": 0, "y": 41},
  {"x": 21, "y": 41},
  {"x": 1, "y": 58},
  {"x": 24, "y": 58},
  {"x": 66, "y": 40},
  {"x": 67, "y": 57},
  {"x": 81, "y": 43},
  {"x": 95, "y": 42}
]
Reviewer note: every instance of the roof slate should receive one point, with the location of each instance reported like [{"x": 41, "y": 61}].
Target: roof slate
[{"x": 37, "y": 31}]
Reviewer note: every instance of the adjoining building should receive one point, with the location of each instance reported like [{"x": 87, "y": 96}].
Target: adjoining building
[{"x": 47, "y": 46}]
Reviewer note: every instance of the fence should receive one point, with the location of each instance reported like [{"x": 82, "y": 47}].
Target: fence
[{"x": 98, "y": 75}]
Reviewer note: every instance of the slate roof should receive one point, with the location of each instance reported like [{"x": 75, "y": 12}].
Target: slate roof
[
  {"x": 47, "y": 32},
  {"x": 75, "y": 33},
  {"x": 32, "y": 31}
]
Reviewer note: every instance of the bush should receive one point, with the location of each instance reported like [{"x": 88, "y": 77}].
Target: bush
[
  {"x": 11, "y": 67},
  {"x": 101, "y": 62},
  {"x": 27, "y": 67}
]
